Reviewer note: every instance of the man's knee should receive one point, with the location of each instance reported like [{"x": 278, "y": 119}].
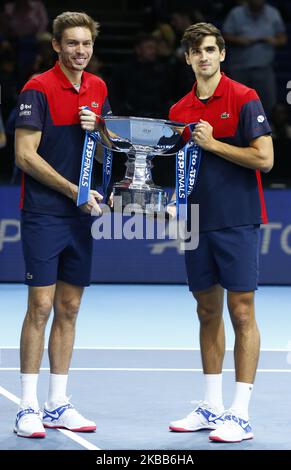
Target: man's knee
[
  {"x": 209, "y": 304},
  {"x": 39, "y": 309},
  {"x": 208, "y": 313},
  {"x": 67, "y": 309},
  {"x": 242, "y": 310}
]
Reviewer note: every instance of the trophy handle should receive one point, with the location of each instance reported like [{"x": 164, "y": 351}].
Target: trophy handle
[{"x": 110, "y": 139}]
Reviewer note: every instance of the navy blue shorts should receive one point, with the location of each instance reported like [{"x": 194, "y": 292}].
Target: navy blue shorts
[
  {"x": 228, "y": 257},
  {"x": 56, "y": 248}
]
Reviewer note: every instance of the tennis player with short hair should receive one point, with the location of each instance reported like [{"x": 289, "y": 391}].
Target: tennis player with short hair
[
  {"x": 56, "y": 234},
  {"x": 235, "y": 135}
]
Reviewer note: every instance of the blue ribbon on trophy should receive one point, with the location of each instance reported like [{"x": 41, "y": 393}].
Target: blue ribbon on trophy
[
  {"x": 186, "y": 175},
  {"x": 89, "y": 148},
  {"x": 107, "y": 169}
]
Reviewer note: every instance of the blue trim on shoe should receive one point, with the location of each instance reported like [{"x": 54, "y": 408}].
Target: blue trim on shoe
[
  {"x": 244, "y": 424},
  {"x": 55, "y": 414},
  {"x": 211, "y": 417},
  {"x": 26, "y": 411}
]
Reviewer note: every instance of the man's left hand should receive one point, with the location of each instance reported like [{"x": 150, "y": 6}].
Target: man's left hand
[
  {"x": 88, "y": 119},
  {"x": 203, "y": 135}
]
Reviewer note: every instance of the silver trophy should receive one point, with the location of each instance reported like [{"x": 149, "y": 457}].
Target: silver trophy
[{"x": 141, "y": 139}]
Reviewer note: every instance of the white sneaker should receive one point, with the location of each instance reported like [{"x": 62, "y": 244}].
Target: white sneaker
[
  {"x": 28, "y": 423},
  {"x": 233, "y": 429},
  {"x": 203, "y": 417},
  {"x": 66, "y": 416}
]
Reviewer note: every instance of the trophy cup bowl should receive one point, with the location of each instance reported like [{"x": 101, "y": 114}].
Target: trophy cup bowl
[{"x": 141, "y": 139}]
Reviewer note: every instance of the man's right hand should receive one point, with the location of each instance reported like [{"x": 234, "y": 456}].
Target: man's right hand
[{"x": 92, "y": 206}]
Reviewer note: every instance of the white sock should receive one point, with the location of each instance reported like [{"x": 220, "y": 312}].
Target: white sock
[
  {"x": 213, "y": 391},
  {"x": 29, "y": 391},
  {"x": 243, "y": 392},
  {"x": 57, "y": 389}
]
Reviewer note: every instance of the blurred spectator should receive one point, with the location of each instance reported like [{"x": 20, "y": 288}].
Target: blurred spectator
[
  {"x": 24, "y": 18},
  {"x": 166, "y": 38},
  {"x": 181, "y": 19},
  {"x": 280, "y": 122},
  {"x": 21, "y": 22},
  {"x": 45, "y": 58},
  {"x": 143, "y": 87},
  {"x": 212, "y": 10},
  {"x": 254, "y": 30},
  {"x": 155, "y": 23}
]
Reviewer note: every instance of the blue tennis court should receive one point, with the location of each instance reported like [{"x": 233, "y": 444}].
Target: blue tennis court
[{"x": 136, "y": 366}]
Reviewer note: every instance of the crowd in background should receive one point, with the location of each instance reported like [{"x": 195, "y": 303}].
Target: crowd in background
[{"x": 148, "y": 81}]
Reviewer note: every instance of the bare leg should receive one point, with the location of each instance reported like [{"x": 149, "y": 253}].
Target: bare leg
[
  {"x": 40, "y": 300},
  {"x": 212, "y": 339},
  {"x": 212, "y": 346},
  {"x": 247, "y": 336},
  {"x": 66, "y": 306}
]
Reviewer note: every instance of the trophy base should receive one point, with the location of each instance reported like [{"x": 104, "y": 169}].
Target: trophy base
[{"x": 151, "y": 201}]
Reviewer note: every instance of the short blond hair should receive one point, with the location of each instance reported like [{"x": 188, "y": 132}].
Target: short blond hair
[{"x": 72, "y": 19}]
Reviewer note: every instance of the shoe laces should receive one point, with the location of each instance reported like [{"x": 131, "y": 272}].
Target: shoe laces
[
  {"x": 202, "y": 404},
  {"x": 70, "y": 411},
  {"x": 29, "y": 412},
  {"x": 68, "y": 401},
  {"x": 62, "y": 402},
  {"x": 198, "y": 404}
]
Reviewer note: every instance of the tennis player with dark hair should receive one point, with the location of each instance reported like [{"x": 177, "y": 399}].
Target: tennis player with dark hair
[
  {"x": 235, "y": 135},
  {"x": 56, "y": 234}
]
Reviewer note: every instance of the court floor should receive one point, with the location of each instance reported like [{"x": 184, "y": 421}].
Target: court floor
[{"x": 136, "y": 366}]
